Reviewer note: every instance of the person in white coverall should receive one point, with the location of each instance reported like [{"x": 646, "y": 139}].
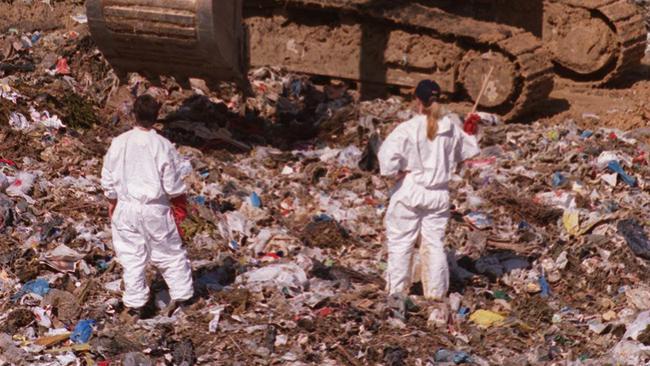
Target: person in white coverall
[
  {"x": 142, "y": 181},
  {"x": 422, "y": 155}
]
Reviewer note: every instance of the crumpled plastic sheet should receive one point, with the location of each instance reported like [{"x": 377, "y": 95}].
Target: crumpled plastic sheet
[
  {"x": 282, "y": 275},
  {"x": 38, "y": 286},
  {"x": 635, "y": 236}
]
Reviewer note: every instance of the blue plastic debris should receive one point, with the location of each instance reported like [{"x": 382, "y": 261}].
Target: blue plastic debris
[
  {"x": 200, "y": 200},
  {"x": 256, "y": 201},
  {"x": 463, "y": 312},
  {"x": 523, "y": 225},
  {"x": 296, "y": 88},
  {"x": 546, "y": 288},
  {"x": 457, "y": 357},
  {"x": 102, "y": 264},
  {"x": 479, "y": 220},
  {"x": 615, "y": 167},
  {"x": 83, "y": 331},
  {"x": 204, "y": 173},
  {"x": 233, "y": 244},
  {"x": 558, "y": 179},
  {"x": 35, "y": 37},
  {"x": 322, "y": 217},
  {"x": 38, "y": 286},
  {"x": 586, "y": 134}
]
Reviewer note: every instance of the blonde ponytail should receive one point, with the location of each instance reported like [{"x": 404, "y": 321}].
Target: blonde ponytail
[{"x": 434, "y": 112}]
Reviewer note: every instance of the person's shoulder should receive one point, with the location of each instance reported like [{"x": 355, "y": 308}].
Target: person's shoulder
[
  {"x": 121, "y": 138},
  {"x": 411, "y": 124},
  {"x": 162, "y": 142},
  {"x": 450, "y": 122},
  {"x": 160, "y": 138},
  {"x": 418, "y": 118}
]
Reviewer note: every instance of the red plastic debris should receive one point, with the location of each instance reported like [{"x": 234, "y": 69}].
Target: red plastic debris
[
  {"x": 325, "y": 312},
  {"x": 641, "y": 159},
  {"x": 272, "y": 255},
  {"x": 62, "y": 67},
  {"x": 8, "y": 162}
]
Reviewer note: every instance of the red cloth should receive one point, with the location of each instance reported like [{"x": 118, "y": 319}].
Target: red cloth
[
  {"x": 179, "y": 210},
  {"x": 471, "y": 124}
]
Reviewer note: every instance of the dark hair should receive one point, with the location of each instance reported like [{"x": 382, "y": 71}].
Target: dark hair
[
  {"x": 428, "y": 92},
  {"x": 146, "y": 110}
]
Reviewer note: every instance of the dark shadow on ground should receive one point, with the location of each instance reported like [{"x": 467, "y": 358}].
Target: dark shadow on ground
[
  {"x": 546, "y": 109},
  {"x": 636, "y": 75}
]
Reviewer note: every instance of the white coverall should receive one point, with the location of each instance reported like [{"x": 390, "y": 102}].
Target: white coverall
[
  {"x": 141, "y": 171},
  {"x": 419, "y": 205}
]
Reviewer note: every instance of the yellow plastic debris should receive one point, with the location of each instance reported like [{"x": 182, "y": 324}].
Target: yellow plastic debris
[
  {"x": 571, "y": 220},
  {"x": 486, "y": 318},
  {"x": 51, "y": 340}
]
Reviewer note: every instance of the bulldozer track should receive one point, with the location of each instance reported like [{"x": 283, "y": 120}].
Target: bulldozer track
[
  {"x": 524, "y": 49},
  {"x": 534, "y": 77},
  {"x": 630, "y": 29}
]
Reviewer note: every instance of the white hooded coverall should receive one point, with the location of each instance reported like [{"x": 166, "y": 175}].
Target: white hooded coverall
[
  {"x": 141, "y": 171},
  {"x": 419, "y": 205}
]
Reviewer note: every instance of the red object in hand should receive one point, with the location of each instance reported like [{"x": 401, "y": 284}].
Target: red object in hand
[
  {"x": 471, "y": 124},
  {"x": 179, "y": 210}
]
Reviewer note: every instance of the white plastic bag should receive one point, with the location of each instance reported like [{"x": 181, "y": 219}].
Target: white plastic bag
[{"x": 282, "y": 275}]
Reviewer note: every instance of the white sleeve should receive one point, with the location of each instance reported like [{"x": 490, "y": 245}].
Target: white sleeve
[
  {"x": 392, "y": 153},
  {"x": 466, "y": 146},
  {"x": 108, "y": 180},
  {"x": 172, "y": 180}
]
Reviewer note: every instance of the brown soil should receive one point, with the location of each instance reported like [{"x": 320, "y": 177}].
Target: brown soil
[{"x": 39, "y": 16}]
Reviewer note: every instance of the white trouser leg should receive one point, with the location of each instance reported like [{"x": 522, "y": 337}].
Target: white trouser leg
[
  {"x": 132, "y": 253},
  {"x": 434, "y": 267},
  {"x": 402, "y": 230},
  {"x": 169, "y": 256}
]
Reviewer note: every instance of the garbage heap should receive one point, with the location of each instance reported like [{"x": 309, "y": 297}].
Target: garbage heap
[{"x": 548, "y": 242}]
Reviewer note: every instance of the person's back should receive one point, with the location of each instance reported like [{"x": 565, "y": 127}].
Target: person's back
[
  {"x": 431, "y": 162},
  {"x": 140, "y": 177},
  {"x": 146, "y": 166},
  {"x": 422, "y": 154}
]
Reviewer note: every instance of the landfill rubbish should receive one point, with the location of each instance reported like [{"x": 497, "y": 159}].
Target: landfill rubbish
[
  {"x": 457, "y": 357},
  {"x": 284, "y": 276},
  {"x": 83, "y": 331},
  {"x": 486, "y": 318},
  {"x": 615, "y": 167},
  {"x": 547, "y": 238},
  {"x": 10, "y": 352},
  {"x": 38, "y": 286},
  {"x": 636, "y": 237}
]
